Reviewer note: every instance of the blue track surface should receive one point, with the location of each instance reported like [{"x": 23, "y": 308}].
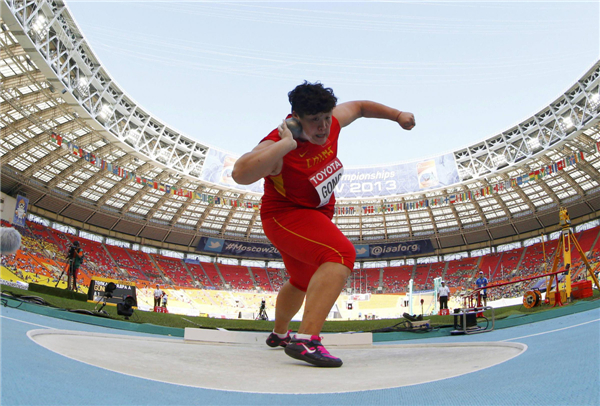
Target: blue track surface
[{"x": 560, "y": 367}]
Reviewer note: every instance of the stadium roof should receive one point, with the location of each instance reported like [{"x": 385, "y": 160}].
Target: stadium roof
[{"x": 125, "y": 173}]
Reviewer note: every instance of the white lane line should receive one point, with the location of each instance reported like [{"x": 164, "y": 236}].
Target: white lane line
[
  {"x": 26, "y": 322},
  {"x": 552, "y": 331}
]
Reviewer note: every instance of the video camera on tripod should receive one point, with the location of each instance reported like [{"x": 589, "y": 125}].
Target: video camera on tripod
[
  {"x": 69, "y": 268},
  {"x": 108, "y": 293},
  {"x": 262, "y": 313},
  {"x": 73, "y": 250}
]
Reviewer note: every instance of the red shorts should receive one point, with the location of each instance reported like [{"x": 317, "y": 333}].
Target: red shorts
[{"x": 306, "y": 239}]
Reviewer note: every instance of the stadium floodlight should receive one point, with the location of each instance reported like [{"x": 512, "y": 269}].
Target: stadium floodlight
[
  {"x": 104, "y": 111},
  {"x": 499, "y": 159},
  {"x": 39, "y": 24},
  {"x": 533, "y": 143},
  {"x": 134, "y": 135},
  {"x": 568, "y": 122},
  {"x": 82, "y": 86},
  {"x": 594, "y": 101}
]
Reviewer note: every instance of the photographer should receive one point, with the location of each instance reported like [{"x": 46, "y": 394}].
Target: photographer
[{"x": 75, "y": 257}]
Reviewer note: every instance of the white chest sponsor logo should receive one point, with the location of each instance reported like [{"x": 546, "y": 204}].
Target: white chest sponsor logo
[{"x": 325, "y": 180}]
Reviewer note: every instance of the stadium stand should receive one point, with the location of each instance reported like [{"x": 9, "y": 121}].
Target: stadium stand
[
  {"x": 277, "y": 277},
  {"x": 174, "y": 269},
  {"x": 214, "y": 276},
  {"x": 37, "y": 261},
  {"x": 199, "y": 274},
  {"x": 236, "y": 276},
  {"x": 261, "y": 277},
  {"x": 395, "y": 279}
]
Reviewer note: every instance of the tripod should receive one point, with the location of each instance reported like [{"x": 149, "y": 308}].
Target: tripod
[
  {"x": 67, "y": 269},
  {"x": 262, "y": 314},
  {"x": 103, "y": 300},
  {"x": 564, "y": 244}
]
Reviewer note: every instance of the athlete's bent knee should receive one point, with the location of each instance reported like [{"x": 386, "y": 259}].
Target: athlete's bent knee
[{"x": 344, "y": 254}]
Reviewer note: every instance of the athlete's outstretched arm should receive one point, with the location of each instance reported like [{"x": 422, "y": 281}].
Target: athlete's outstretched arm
[
  {"x": 265, "y": 159},
  {"x": 347, "y": 112}
]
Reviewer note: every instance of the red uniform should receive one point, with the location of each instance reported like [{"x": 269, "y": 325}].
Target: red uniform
[{"x": 297, "y": 208}]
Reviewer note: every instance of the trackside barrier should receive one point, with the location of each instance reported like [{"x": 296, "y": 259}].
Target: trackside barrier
[{"x": 192, "y": 334}]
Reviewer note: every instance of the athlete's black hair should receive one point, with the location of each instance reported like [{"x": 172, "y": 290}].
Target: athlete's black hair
[{"x": 312, "y": 98}]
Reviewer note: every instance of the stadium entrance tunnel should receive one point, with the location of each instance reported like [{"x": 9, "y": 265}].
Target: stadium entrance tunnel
[{"x": 233, "y": 367}]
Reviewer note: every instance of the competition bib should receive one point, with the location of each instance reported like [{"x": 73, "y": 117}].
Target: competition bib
[{"x": 325, "y": 180}]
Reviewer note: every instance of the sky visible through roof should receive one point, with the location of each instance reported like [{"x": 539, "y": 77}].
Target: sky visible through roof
[{"x": 219, "y": 72}]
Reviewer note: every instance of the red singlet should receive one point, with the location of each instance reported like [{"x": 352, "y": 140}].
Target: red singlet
[{"x": 297, "y": 208}]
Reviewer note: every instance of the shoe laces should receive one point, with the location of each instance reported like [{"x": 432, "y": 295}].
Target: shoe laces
[{"x": 316, "y": 340}]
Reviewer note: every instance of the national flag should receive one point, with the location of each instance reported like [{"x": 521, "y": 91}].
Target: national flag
[{"x": 57, "y": 139}]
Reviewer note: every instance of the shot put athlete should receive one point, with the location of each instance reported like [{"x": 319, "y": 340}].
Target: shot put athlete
[{"x": 297, "y": 207}]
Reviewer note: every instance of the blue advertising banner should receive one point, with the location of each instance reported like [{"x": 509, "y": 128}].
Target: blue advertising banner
[
  {"x": 268, "y": 251},
  {"x": 20, "y": 211},
  {"x": 238, "y": 248},
  {"x": 362, "y": 251},
  {"x": 214, "y": 245},
  {"x": 394, "y": 250}
]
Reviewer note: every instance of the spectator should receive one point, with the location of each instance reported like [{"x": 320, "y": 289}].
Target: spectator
[
  {"x": 443, "y": 295},
  {"x": 157, "y": 295},
  {"x": 482, "y": 282}
]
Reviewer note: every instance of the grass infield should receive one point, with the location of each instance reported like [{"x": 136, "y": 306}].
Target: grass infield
[{"x": 182, "y": 321}]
